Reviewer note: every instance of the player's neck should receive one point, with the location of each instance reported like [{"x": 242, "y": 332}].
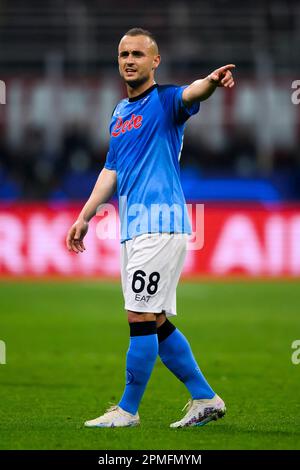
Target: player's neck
[{"x": 134, "y": 92}]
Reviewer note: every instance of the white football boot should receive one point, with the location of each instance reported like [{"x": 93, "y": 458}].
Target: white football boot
[
  {"x": 201, "y": 412},
  {"x": 114, "y": 417}
]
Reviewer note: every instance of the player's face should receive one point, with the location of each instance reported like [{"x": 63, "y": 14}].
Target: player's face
[{"x": 138, "y": 58}]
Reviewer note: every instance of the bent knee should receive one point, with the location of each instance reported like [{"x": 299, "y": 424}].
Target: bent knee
[{"x": 135, "y": 317}]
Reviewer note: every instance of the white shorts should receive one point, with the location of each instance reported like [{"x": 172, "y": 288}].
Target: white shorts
[{"x": 151, "y": 265}]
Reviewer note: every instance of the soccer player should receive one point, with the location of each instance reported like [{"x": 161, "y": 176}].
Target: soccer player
[{"x": 143, "y": 164}]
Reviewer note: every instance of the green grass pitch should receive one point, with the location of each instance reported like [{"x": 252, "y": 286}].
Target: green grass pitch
[{"x": 66, "y": 344}]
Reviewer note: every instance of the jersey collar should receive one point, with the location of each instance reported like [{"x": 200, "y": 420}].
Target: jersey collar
[{"x": 145, "y": 93}]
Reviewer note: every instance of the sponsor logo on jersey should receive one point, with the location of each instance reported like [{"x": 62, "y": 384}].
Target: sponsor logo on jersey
[{"x": 121, "y": 126}]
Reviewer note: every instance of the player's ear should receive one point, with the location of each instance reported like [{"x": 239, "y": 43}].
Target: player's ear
[{"x": 156, "y": 62}]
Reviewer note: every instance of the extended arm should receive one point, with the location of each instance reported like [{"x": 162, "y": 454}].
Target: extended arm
[
  {"x": 202, "y": 89},
  {"x": 102, "y": 192}
]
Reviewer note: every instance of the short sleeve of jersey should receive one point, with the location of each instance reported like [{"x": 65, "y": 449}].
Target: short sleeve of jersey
[
  {"x": 110, "y": 163},
  {"x": 171, "y": 99}
]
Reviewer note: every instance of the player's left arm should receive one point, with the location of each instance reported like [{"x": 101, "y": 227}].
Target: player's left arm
[{"x": 200, "y": 90}]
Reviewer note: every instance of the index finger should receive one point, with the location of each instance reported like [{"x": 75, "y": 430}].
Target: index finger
[{"x": 226, "y": 67}]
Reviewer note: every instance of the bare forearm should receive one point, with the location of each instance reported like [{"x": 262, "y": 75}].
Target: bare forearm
[
  {"x": 102, "y": 192},
  {"x": 199, "y": 90}
]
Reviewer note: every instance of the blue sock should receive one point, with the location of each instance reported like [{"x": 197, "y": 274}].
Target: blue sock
[
  {"x": 140, "y": 360},
  {"x": 175, "y": 352}
]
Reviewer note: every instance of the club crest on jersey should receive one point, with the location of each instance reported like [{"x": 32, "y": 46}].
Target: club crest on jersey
[{"x": 123, "y": 126}]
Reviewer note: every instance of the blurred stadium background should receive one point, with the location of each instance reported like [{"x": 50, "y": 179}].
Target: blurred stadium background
[
  {"x": 241, "y": 159},
  {"x": 59, "y": 64}
]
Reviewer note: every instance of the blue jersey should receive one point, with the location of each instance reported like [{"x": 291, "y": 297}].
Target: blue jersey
[{"x": 145, "y": 146}]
